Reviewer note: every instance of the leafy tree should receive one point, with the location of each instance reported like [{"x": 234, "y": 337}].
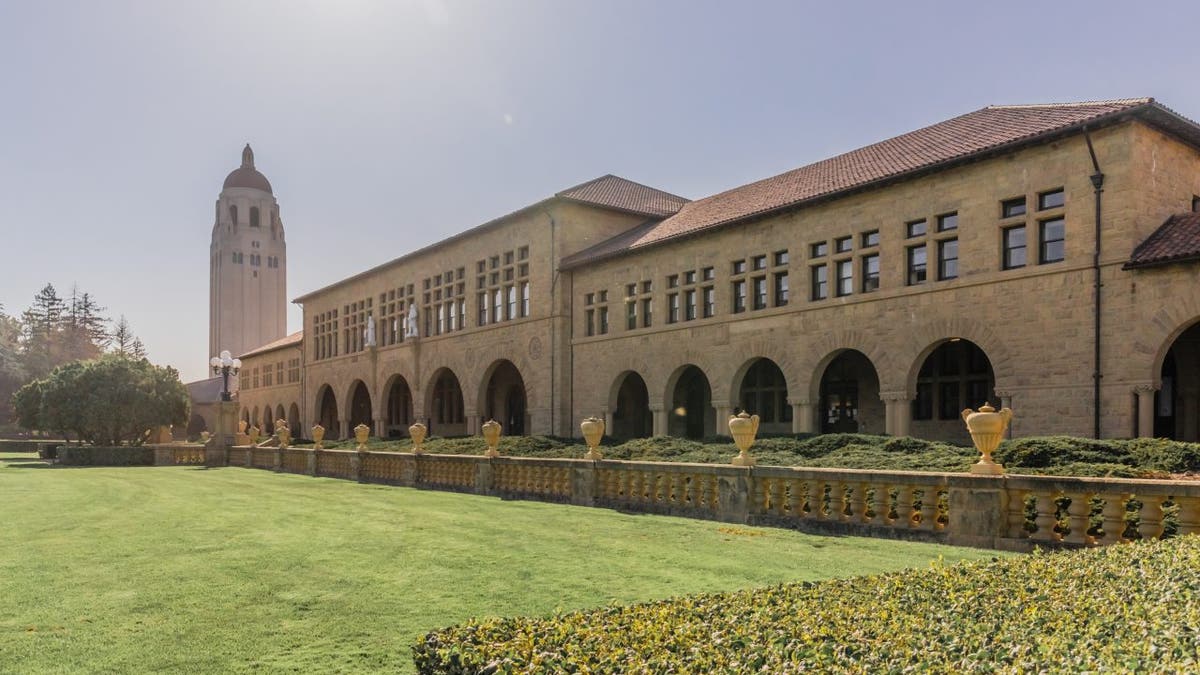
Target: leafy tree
[
  {"x": 105, "y": 401},
  {"x": 12, "y": 374}
]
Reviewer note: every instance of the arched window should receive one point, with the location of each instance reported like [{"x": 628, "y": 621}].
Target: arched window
[
  {"x": 253, "y": 216},
  {"x": 233, "y": 214}
]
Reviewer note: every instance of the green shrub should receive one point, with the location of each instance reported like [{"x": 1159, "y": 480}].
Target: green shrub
[
  {"x": 87, "y": 455},
  {"x": 1128, "y": 608}
]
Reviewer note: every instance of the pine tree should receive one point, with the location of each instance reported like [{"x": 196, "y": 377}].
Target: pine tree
[
  {"x": 41, "y": 348},
  {"x": 138, "y": 350},
  {"x": 124, "y": 342}
]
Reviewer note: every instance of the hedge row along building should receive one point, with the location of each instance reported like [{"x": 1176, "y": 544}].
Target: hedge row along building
[{"x": 1044, "y": 257}]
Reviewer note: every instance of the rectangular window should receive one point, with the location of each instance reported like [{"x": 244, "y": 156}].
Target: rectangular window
[
  {"x": 630, "y": 290},
  {"x": 739, "y": 296},
  {"x": 710, "y": 301},
  {"x": 820, "y": 282},
  {"x": 647, "y": 286},
  {"x": 631, "y": 315},
  {"x": 870, "y": 272},
  {"x": 1053, "y": 241},
  {"x": 781, "y": 289},
  {"x": 843, "y": 244},
  {"x": 483, "y": 306},
  {"x": 604, "y": 320},
  {"x": 523, "y": 253},
  {"x": 589, "y": 299},
  {"x": 1011, "y": 208},
  {"x": 673, "y": 281},
  {"x": 589, "y": 327},
  {"x": 781, "y": 258},
  {"x": 818, "y": 249},
  {"x": 759, "y": 262},
  {"x": 916, "y": 265},
  {"x": 948, "y": 259},
  {"x": 1014, "y": 247},
  {"x": 870, "y": 239},
  {"x": 707, "y": 274},
  {"x": 511, "y": 292},
  {"x": 739, "y": 267},
  {"x": 508, "y": 257},
  {"x": 441, "y": 320},
  {"x": 845, "y": 277},
  {"x": 760, "y": 292},
  {"x": 947, "y": 221},
  {"x": 1195, "y": 204},
  {"x": 672, "y": 307},
  {"x": 452, "y": 324},
  {"x": 689, "y": 277},
  {"x": 647, "y": 312},
  {"x": 525, "y": 299},
  {"x": 916, "y": 228},
  {"x": 497, "y": 306},
  {"x": 1052, "y": 199},
  {"x": 602, "y": 296},
  {"x": 689, "y": 304}
]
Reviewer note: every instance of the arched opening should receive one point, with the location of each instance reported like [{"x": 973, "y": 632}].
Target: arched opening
[
  {"x": 254, "y": 216},
  {"x": 233, "y": 215},
  {"x": 280, "y": 415},
  {"x": 1177, "y": 402},
  {"x": 504, "y": 399},
  {"x": 850, "y": 395},
  {"x": 196, "y": 426},
  {"x": 957, "y": 374},
  {"x": 327, "y": 412},
  {"x": 446, "y": 405},
  {"x": 293, "y": 419},
  {"x": 764, "y": 392},
  {"x": 399, "y": 408},
  {"x": 254, "y": 421},
  {"x": 631, "y": 417},
  {"x": 692, "y": 415},
  {"x": 360, "y": 406},
  {"x": 246, "y": 417},
  {"x": 268, "y": 421}
]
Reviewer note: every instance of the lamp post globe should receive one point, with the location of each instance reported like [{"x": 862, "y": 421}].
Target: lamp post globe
[{"x": 225, "y": 365}]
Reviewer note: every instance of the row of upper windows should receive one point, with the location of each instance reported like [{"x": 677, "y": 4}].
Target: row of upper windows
[
  {"x": 255, "y": 260},
  {"x": 271, "y": 375}
]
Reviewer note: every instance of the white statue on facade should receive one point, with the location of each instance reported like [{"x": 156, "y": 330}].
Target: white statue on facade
[
  {"x": 370, "y": 336},
  {"x": 410, "y": 326}
]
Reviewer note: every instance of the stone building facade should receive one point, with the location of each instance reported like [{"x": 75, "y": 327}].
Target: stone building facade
[{"x": 879, "y": 291}]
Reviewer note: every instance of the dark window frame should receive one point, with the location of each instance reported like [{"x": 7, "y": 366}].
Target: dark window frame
[
  {"x": 1013, "y": 207},
  {"x": 1007, "y": 249},
  {"x": 1043, "y": 242},
  {"x": 1061, "y": 193},
  {"x": 870, "y": 282},
  {"x": 913, "y": 268},
  {"x": 945, "y": 262},
  {"x": 916, "y": 228},
  {"x": 870, "y": 239}
]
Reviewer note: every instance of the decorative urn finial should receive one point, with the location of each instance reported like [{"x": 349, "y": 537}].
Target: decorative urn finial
[
  {"x": 491, "y": 436},
  {"x": 361, "y": 433},
  {"x": 987, "y": 428},
  {"x": 318, "y": 436},
  {"x": 417, "y": 433},
  {"x": 283, "y": 434},
  {"x": 593, "y": 431},
  {"x": 255, "y": 433},
  {"x": 743, "y": 427}
]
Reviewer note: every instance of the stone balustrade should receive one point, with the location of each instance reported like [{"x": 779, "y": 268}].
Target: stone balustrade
[{"x": 1013, "y": 512}]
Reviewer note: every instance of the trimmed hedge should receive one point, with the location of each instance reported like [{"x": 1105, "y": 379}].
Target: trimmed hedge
[
  {"x": 1132, "y": 608},
  {"x": 87, "y": 455},
  {"x": 1053, "y": 455}
]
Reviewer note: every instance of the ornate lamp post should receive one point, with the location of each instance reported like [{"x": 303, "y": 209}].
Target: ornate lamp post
[{"x": 225, "y": 365}]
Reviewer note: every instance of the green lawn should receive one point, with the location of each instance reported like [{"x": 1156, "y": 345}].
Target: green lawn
[{"x": 192, "y": 569}]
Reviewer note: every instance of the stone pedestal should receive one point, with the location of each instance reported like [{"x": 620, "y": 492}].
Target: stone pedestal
[
  {"x": 978, "y": 512},
  {"x": 216, "y": 452}
]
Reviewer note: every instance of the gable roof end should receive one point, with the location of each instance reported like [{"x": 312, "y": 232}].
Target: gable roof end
[{"x": 1176, "y": 240}]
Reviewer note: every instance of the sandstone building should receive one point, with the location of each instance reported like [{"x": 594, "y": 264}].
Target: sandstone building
[{"x": 1046, "y": 257}]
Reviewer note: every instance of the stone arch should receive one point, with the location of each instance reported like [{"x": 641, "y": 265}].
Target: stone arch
[
  {"x": 831, "y": 345},
  {"x": 444, "y": 405},
  {"x": 398, "y": 412},
  {"x": 629, "y": 407},
  {"x": 762, "y": 389},
  {"x": 281, "y": 415},
  {"x": 293, "y": 419},
  {"x": 326, "y": 408},
  {"x": 925, "y": 338},
  {"x": 952, "y": 374},
  {"x": 267, "y": 425},
  {"x": 196, "y": 426},
  {"x": 689, "y": 396},
  {"x": 1159, "y": 334},
  {"x": 1176, "y": 390},
  {"x": 254, "y": 421},
  {"x": 502, "y": 396},
  {"x": 745, "y": 358},
  {"x": 482, "y": 364},
  {"x": 359, "y": 408},
  {"x": 848, "y": 391}
]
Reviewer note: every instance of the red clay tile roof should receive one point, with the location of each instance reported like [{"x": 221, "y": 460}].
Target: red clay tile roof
[
  {"x": 1176, "y": 240},
  {"x": 625, "y": 195},
  {"x": 991, "y": 129},
  {"x": 293, "y": 339}
]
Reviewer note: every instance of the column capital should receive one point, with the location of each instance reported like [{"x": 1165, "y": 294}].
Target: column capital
[
  {"x": 1145, "y": 388},
  {"x": 800, "y": 401},
  {"x": 895, "y": 396},
  {"x": 1003, "y": 393},
  {"x": 720, "y": 404}
]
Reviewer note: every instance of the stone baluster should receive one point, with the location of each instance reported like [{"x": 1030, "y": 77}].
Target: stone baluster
[
  {"x": 1150, "y": 516},
  {"x": 816, "y": 499},
  {"x": 837, "y": 501},
  {"x": 1016, "y": 514},
  {"x": 1046, "y": 517},
  {"x": 881, "y": 504},
  {"x": 678, "y": 489},
  {"x": 858, "y": 502},
  {"x": 789, "y": 504},
  {"x": 904, "y": 507},
  {"x": 1079, "y": 514},
  {"x": 1113, "y": 518},
  {"x": 929, "y": 509}
]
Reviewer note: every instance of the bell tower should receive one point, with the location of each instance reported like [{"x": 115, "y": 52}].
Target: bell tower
[{"x": 247, "y": 264}]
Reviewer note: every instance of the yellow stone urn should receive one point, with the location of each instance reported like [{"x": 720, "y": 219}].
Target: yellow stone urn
[
  {"x": 241, "y": 426},
  {"x": 743, "y": 428},
  {"x": 417, "y": 433},
  {"x": 318, "y": 436},
  {"x": 255, "y": 432},
  {"x": 204, "y": 437},
  {"x": 491, "y": 436},
  {"x": 283, "y": 434},
  {"x": 361, "y": 433},
  {"x": 987, "y": 428},
  {"x": 593, "y": 431}
]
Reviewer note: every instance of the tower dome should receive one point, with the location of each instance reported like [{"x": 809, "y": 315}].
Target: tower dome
[{"x": 246, "y": 176}]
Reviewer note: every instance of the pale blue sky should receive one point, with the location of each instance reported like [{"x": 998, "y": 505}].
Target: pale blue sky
[{"x": 384, "y": 126}]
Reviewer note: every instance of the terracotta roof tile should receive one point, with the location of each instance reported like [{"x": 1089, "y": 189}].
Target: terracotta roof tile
[
  {"x": 293, "y": 339},
  {"x": 955, "y": 139},
  {"x": 1176, "y": 240},
  {"x": 618, "y": 193}
]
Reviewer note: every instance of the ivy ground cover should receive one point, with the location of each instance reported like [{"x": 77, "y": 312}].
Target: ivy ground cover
[
  {"x": 186, "y": 569},
  {"x": 1131, "y": 608}
]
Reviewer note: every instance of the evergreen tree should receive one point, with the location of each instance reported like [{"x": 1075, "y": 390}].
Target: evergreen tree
[
  {"x": 124, "y": 342},
  {"x": 83, "y": 333},
  {"x": 41, "y": 347}
]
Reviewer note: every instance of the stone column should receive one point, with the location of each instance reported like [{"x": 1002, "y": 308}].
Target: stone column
[
  {"x": 474, "y": 421},
  {"x": 1145, "y": 408},
  {"x": 608, "y": 423},
  {"x": 897, "y": 413},
  {"x": 1006, "y": 402},
  {"x": 381, "y": 427},
  {"x": 722, "y": 422},
  {"x": 345, "y": 431},
  {"x": 660, "y": 421},
  {"x": 803, "y": 416}
]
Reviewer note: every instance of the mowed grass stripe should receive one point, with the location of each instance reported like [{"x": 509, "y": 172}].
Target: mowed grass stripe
[{"x": 192, "y": 569}]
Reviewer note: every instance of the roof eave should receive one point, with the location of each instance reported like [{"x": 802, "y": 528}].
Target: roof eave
[{"x": 1191, "y": 257}]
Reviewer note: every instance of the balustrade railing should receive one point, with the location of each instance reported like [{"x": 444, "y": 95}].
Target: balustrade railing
[
  {"x": 262, "y": 458},
  {"x": 455, "y": 472},
  {"x": 294, "y": 460},
  {"x": 539, "y": 478},
  {"x": 334, "y": 463}
]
